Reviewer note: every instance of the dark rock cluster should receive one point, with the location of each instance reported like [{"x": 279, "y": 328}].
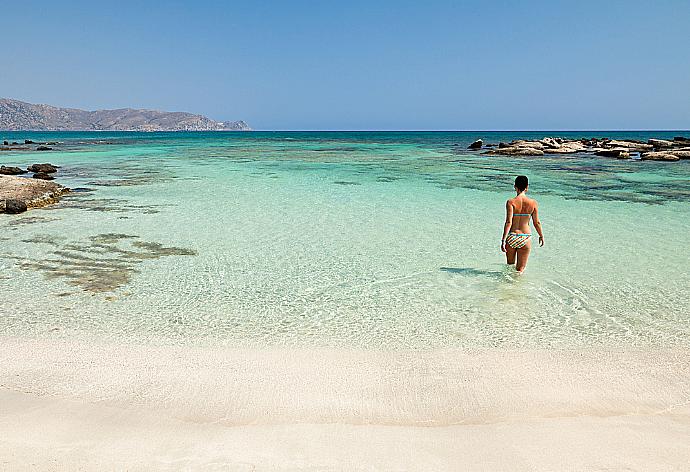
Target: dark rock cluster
[
  {"x": 652, "y": 149},
  {"x": 17, "y": 205}
]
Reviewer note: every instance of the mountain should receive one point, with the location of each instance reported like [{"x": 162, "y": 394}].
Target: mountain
[{"x": 16, "y": 115}]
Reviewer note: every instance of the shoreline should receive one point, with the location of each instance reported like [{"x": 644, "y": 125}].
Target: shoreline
[{"x": 95, "y": 399}]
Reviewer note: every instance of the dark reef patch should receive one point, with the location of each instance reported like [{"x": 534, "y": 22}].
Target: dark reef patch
[
  {"x": 114, "y": 205},
  {"x": 28, "y": 220},
  {"x": 99, "y": 264}
]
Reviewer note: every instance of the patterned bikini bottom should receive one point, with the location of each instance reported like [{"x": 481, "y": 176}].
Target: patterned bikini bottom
[{"x": 517, "y": 240}]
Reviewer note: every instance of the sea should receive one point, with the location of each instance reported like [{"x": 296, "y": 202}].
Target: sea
[{"x": 363, "y": 240}]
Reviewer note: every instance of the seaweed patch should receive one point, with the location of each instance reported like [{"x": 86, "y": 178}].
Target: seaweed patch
[{"x": 101, "y": 263}]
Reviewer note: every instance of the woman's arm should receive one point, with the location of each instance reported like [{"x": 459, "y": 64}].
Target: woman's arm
[
  {"x": 537, "y": 223},
  {"x": 507, "y": 225}
]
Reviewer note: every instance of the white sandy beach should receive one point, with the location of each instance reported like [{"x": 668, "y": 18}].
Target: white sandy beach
[{"x": 68, "y": 405}]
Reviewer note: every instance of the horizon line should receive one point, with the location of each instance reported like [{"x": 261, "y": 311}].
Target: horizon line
[{"x": 372, "y": 130}]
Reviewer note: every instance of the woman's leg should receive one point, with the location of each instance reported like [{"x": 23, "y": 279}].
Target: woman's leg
[
  {"x": 522, "y": 256},
  {"x": 510, "y": 255}
]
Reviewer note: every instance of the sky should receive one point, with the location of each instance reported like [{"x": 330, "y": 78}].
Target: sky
[{"x": 351, "y": 65}]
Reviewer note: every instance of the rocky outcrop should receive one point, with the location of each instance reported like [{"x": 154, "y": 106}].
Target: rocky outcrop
[
  {"x": 659, "y": 156},
  {"x": 618, "y": 153},
  {"x": 630, "y": 145},
  {"x": 11, "y": 170},
  {"x": 516, "y": 151},
  {"x": 43, "y": 176},
  {"x": 654, "y": 149},
  {"x": 17, "y": 115},
  {"x": 476, "y": 145},
  {"x": 44, "y": 168},
  {"x": 661, "y": 143},
  {"x": 682, "y": 153},
  {"x": 32, "y": 192},
  {"x": 12, "y": 206}
]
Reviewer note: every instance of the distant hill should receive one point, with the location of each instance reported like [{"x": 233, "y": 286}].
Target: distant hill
[{"x": 16, "y": 115}]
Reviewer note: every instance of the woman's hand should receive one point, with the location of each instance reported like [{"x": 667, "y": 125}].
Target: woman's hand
[
  {"x": 541, "y": 241},
  {"x": 503, "y": 246}
]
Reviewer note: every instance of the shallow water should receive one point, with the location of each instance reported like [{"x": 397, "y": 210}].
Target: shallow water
[{"x": 386, "y": 240}]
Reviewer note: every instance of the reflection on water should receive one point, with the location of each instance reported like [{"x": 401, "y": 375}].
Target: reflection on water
[{"x": 474, "y": 272}]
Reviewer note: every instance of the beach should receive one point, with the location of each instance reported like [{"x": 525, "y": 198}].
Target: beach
[
  {"x": 99, "y": 405},
  {"x": 339, "y": 301}
]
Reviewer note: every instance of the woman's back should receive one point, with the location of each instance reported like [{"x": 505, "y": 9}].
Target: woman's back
[{"x": 523, "y": 208}]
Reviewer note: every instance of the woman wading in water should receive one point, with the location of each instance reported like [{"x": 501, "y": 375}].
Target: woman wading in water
[{"x": 517, "y": 239}]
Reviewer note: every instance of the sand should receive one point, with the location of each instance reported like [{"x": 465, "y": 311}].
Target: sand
[{"x": 67, "y": 405}]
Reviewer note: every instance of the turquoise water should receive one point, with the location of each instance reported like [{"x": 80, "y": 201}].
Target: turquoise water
[{"x": 376, "y": 240}]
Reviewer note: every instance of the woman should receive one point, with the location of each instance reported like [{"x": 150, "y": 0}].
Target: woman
[{"x": 517, "y": 240}]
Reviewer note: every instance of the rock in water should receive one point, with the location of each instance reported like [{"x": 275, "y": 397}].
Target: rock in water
[
  {"x": 660, "y": 143},
  {"x": 14, "y": 206},
  {"x": 476, "y": 145},
  {"x": 617, "y": 153},
  {"x": 44, "y": 148},
  {"x": 683, "y": 154},
  {"x": 28, "y": 141},
  {"x": 659, "y": 156},
  {"x": 43, "y": 176},
  {"x": 516, "y": 151},
  {"x": 6, "y": 143},
  {"x": 11, "y": 170},
  {"x": 45, "y": 168}
]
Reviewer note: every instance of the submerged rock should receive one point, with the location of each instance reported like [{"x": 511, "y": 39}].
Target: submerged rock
[
  {"x": 28, "y": 141},
  {"x": 44, "y": 148},
  {"x": 11, "y": 170},
  {"x": 476, "y": 145},
  {"x": 45, "y": 168}
]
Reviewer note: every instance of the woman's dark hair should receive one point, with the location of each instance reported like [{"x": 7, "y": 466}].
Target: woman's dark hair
[{"x": 521, "y": 182}]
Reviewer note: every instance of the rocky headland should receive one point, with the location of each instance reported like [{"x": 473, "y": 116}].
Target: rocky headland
[
  {"x": 652, "y": 149},
  {"x": 16, "y": 115}
]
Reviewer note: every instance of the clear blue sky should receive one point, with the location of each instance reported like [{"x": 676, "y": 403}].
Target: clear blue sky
[{"x": 360, "y": 64}]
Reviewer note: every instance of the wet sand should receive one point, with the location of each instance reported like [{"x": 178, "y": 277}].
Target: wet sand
[{"x": 70, "y": 404}]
